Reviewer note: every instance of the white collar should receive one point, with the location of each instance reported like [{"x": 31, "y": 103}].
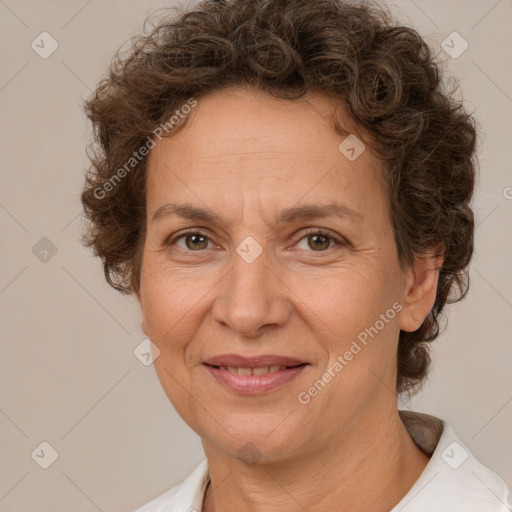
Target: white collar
[{"x": 453, "y": 480}]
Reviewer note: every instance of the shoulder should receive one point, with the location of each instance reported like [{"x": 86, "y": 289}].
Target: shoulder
[
  {"x": 186, "y": 496},
  {"x": 454, "y": 480}
]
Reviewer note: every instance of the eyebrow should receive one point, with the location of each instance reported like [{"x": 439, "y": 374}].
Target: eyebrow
[{"x": 302, "y": 212}]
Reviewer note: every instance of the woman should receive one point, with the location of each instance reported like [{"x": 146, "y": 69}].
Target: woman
[{"x": 285, "y": 187}]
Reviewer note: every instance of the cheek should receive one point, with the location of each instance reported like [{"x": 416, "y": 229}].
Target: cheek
[
  {"x": 344, "y": 312},
  {"x": 169, "y": 293},
  {"x": 345, "y": 300},
  {"x": 168, "y": 305}
]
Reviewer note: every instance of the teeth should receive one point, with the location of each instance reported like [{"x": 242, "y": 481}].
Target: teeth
[
  {"x": 254, "y": 371},
  {"x": 260, "y": 371}
]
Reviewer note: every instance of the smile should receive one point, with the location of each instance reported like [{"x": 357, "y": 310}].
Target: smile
[
  {"x": 253, "y": 381},
  {"x": 252, "y": 371}
]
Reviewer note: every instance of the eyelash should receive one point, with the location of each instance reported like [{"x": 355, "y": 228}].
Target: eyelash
[{"x": 339, "y": 241}]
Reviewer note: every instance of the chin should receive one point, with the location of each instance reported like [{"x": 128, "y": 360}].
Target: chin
[{"x": 252, "y": 439}]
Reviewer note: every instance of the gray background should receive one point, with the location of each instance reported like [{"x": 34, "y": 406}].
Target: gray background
[{"x": 68, "y": 375}]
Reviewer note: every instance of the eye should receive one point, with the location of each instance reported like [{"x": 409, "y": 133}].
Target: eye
[
  {"x": 318, "y": 240},
  {"x": 194, "y": 240}
]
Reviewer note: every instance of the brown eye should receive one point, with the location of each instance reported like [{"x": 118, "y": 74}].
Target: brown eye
[
  {"x": 318, "y": 242},
  {"x": 194, "y": 241}
]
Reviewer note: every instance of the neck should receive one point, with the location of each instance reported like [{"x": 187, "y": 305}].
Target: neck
[{"x": 371, "y": 466}]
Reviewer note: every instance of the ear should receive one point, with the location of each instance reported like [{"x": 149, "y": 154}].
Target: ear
[
  {"x": 143, "y": 325},
  {"x": 420, "y": 289}
]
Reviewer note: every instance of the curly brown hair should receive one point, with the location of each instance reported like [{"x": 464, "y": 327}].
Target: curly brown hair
[{"x": 384, "y": 73}]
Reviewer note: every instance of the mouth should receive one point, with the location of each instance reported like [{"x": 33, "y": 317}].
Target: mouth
[
  {"x": 261, "y": 361},
  {"x": 261, "y": 370},
  {"x": 254, "y": 375}
]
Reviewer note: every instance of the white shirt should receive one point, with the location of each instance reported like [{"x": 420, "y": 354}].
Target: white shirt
[{"x": 453, "y": 480}]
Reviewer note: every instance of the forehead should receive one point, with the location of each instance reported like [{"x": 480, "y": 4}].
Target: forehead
[
  {"x": 249, "y": 119},
  {"x": 240, "y": 142}
]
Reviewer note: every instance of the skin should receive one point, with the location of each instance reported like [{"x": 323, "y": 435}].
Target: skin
[{"x": 246, "y": 156}]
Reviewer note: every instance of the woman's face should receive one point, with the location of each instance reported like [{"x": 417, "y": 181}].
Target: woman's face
[{"x": 255, "y": 280}]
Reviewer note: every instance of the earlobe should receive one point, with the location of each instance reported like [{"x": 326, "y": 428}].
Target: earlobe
[
  {"x": 420, "y": 291},
  {"x": 144, "y": 327}
]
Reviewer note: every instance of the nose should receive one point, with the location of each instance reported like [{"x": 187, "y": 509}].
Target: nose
[{"x": 253, "y": 298}]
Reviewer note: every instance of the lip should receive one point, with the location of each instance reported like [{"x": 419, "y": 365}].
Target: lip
[
  {"x": 254, "y": 384},
  {"x": 253, "y": 362}
]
